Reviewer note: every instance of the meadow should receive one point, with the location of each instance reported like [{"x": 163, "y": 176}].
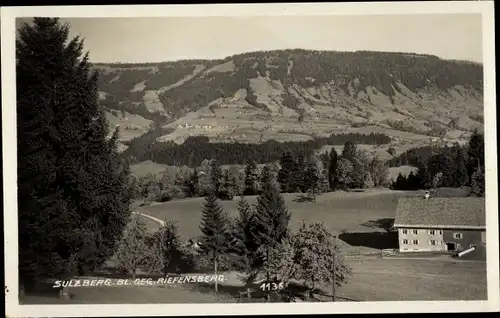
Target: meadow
[
  {"x": 341, "y": 212},
  {"x": 373, "y": 279},
  {"x": 359, "y": 219}
]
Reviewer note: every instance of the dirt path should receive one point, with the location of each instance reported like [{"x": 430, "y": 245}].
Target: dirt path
[{"x": 160, "y": 222}]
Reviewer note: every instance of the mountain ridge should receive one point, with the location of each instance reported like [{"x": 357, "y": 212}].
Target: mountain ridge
[{"x": 292, "y": 94}]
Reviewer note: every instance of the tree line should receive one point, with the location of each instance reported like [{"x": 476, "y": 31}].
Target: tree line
[
  {"x": 195, "y": 149},
  {"x": 453, "y": 167},
  {"x": 307, "y": 175}
]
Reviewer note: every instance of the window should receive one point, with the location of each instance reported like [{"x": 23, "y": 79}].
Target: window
[
  {"x": 440, "y": 232},
  {"x": 405, "y": 241},
  {"x": 432, "y": 232},
  {"x": 415, "y": 242},
  {"x": 432, "y": 242},
  {"x": 457, "y": 236},
  {"x": 415, "y": 231},
  {"x": 404, "y": 231}
]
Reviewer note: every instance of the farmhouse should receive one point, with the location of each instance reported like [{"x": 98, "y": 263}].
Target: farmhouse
[{"x": 440, "y": 224}]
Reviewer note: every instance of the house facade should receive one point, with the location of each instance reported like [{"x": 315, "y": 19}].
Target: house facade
[{"x": 440, "y": 224}]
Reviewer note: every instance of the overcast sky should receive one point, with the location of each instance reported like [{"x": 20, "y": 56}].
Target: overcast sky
[{"x": 457, "y": 36}]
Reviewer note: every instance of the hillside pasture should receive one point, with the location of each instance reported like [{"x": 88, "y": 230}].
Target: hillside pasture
[
  {"x": 146, "y": 167},
  {"x": 358, "y": 217}
]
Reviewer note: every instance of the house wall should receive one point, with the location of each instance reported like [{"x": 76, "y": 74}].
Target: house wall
[
  {"x": 469, "y": 237},
  {"x": 423, "y": 238}
]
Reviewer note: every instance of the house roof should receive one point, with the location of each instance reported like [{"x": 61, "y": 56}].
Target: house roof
[{"x": 465, "y": 213}]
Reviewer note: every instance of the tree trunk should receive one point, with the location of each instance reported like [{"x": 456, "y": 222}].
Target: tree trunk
[
  {"x": 216, "y": 277},
  {"x": 133, "y": 273}
]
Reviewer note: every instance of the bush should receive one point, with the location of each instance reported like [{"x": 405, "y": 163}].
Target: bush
[{"x": 163, "y": 197}]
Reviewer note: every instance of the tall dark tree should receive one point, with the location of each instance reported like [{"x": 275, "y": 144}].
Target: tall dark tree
[
  {"x": 216, "y": 235},
  {"x": 443, "y": 163},
  {"x": 285, "y": 175},
  {"x": 73, "y": 190},
  {"x": 423, "y": 175},
  {"x": 460, "y": 176},
  {"x": 401, "y": 183},
  {"x": 298, "y": 176},
  {"x": 244, "y": 231},
  {"x": 216, "y": 177},
  {"x": 251, "y": 179},
  {"x": 191, "y": 184},
  {"x": 332, "y": 169},
  {"x": 271, "y": 217},
  {"x": 475, "y": 153}
]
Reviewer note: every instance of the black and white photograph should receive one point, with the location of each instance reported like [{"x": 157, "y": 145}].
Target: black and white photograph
[{"x": 198, "y": 159}]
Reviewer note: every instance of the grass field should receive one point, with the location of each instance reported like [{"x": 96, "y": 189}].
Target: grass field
[
  {"x": 360, "y": 214},
  {"x": 373, "y": 279},
  {"x": 355, "y": 212}
]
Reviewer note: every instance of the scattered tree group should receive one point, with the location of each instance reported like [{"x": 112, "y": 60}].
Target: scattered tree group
[{"x": 452, "y": 167}]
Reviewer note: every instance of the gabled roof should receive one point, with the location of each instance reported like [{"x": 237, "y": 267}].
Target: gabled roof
[{"x": 463, "y": 213}]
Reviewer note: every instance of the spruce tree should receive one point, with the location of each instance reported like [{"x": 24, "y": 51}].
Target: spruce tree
[
  {"x": 298, "y": 176},
  {"x": 443, "y": 163},
  {"x": 251, "y": 179},
  {"x": 423, "y": 176},
  {"x": 475, "y": 153},
  {"x": 285, "y": 174},
  {"x": 244, "y": 232},
  {"x": 460, "y": 177},
  {"x": 271, "y": 217},
  {"x": 332, "y": 169},
  {"x": 216, "y": 235},
  {"x": 73, "y": 185},
  {"x": 216, "y": 177}
]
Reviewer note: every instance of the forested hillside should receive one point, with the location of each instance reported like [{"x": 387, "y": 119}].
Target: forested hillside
[{"x": 292, "y": 96}]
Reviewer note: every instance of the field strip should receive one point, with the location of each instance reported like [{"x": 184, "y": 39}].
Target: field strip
[{"x": 162, "y": 223}]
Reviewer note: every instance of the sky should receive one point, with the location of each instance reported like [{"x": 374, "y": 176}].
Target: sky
[{"x": 140, "y": 40}]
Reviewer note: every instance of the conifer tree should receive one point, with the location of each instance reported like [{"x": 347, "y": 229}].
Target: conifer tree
[
  {"x": 271, "y": 217},
  {"x": 216, "y": 235},
  {"x": 73, "y": 185},
  {"x": 251, "y": 179},
  {"x": 216, "y": 177},
  {"x": 460, "y": 176},
  {"x": 475, "y": 153},
  {"x": 332, "y": 169},
  {"x": 244, "y": 232},
  {"x": 285, "y": 175},
  {"x": 298, "y": 175},
  {"x": 423, "y": 176}
]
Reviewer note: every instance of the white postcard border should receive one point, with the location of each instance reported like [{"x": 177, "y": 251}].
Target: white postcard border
[{"x": 8, "y": 16}]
